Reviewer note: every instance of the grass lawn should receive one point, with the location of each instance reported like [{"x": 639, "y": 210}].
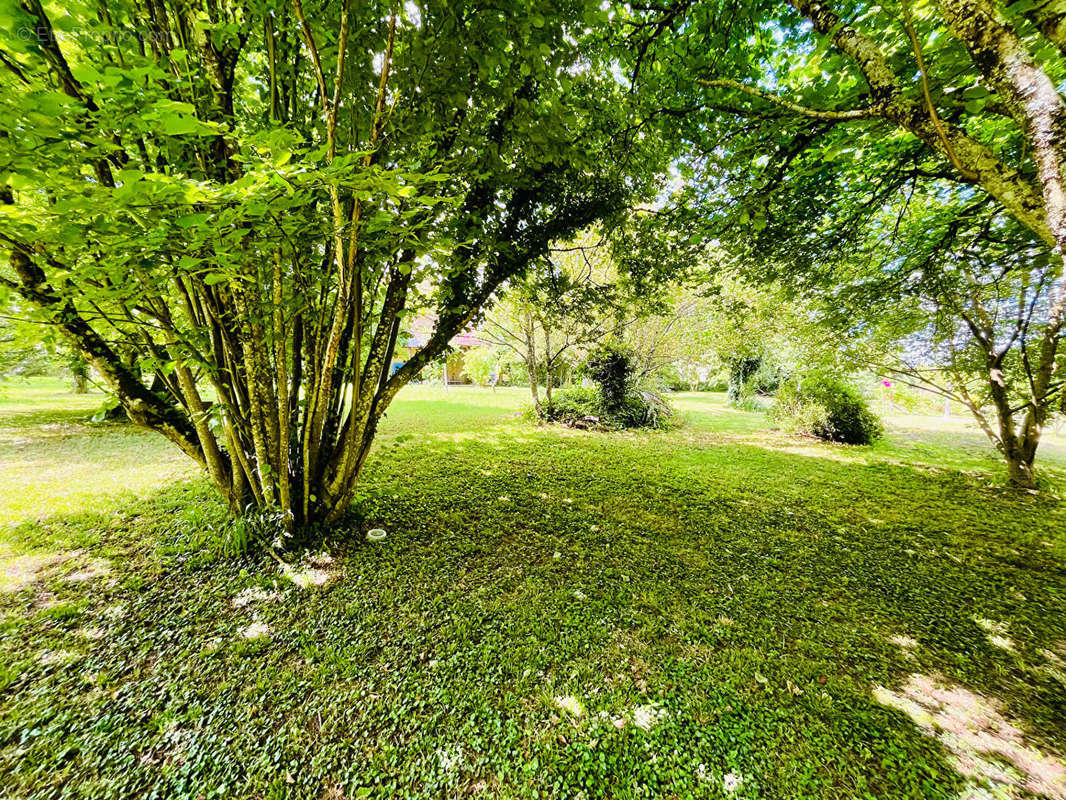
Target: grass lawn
[{"x": 715, "y": 611}]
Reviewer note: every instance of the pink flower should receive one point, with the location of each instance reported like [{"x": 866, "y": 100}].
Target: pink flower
[{"x": 887, "y": 383}]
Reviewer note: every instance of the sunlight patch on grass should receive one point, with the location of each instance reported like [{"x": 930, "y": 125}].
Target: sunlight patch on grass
[
  {"x": 840, "y": 453},
  {"x": 996, "y": 633},
  {"x": 19, "y": 571},
  {"x": 983, "y": 745},
  {"x": 312, "y": 571},
  {"x": 257, "y": 630},
  {"x": 94, "y": 568},
  {"x": 569, "y": 704},
  {"x": 1055, "y": 663},
  {"x": 903, "y": 642},
  {"x": 253, "y": 594},
  {"x": 450, "y": 759},
  {"x": 51, "y": 658},
  {"x": 647, "y": 717}
]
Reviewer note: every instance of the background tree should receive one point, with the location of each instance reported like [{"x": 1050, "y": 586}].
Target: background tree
[
  {"x": 957, "y": 302},
  {"x": 248, "y": 194},
  {"x": 748, "y": 333},
  {"x": 621, "y": 277},
  {"x": 26, "y": 348},
  {"x": 482, "y": 365},
  {"x": 551, "y": 318}
]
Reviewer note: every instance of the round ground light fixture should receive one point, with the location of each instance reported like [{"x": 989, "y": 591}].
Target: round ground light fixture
[{"x": 375, "y": 535}]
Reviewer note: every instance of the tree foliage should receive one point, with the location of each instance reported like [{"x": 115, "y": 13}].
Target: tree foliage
[{"x": 815, "y": 125}]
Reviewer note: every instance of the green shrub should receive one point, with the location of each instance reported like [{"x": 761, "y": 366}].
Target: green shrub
[
  {"x": 749, "y": 402},
  {"x": 572, "y": 403},
  {"x": 208, "y": 530},
  {"x": 612, "y": 367},
  {"x": 643, "y": 409},
  {"x": 616, "y": 401},
  {"x": 825, "y": 407}
]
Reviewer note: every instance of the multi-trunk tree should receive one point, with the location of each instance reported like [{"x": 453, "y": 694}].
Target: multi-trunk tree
[{"x": 251, "y": 196}]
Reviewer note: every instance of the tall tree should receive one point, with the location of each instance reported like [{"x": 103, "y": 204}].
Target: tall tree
[{"x": 247, "y": 194}]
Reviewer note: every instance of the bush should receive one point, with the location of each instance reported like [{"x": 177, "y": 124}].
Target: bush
[
  {"x": 575, "y": 404},
  {"x": 643, "y": 409},
  {"x": 825, "y": 407},
  {"x": 572, "y": 403},
  {"x": 749, "y": 402},
  {"x": 616, "y": 402}
]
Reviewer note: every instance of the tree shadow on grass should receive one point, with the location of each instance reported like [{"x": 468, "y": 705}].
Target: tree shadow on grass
[
  {"x": 748, "y": 569},
  {"x": 612, "y": 615}
]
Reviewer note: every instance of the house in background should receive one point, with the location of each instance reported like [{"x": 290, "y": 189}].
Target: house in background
[{"x": 419, "y": 330}]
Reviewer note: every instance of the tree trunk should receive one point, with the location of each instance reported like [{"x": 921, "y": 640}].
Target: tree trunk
[
  {"x": 531, "y": 367},
  {"x": 1019, "y": 451},
  {"x": 79, "y": 371},
  {"x": 547, "y": 363},
  {"x": 1028, "y": 91},
  {"x": 531, "y": 362},
  {"x": 1019, "y": 469}
]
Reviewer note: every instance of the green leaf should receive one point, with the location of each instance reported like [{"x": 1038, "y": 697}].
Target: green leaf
[
  {"x": 177, "y": 125},
  {"x": 191, "y": 220}
]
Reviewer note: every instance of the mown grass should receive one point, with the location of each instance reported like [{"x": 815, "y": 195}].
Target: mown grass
[{"x": 714, "y": 611}]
